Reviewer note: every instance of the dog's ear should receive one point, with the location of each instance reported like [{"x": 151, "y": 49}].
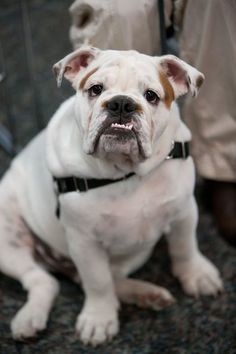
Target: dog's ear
[
  {"x": 73, "y": 63},
  {"x": 182, "y": 76}
]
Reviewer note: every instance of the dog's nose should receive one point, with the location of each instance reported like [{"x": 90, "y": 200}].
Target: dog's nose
[{"x": 121, "y": 105}]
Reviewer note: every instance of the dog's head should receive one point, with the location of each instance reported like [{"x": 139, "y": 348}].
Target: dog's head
[{"x": 124, "y": 98}]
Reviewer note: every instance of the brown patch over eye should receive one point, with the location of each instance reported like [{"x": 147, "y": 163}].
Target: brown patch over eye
[
  {"x": 168, "y": 89},
  {"x": 84, "y": 80}
]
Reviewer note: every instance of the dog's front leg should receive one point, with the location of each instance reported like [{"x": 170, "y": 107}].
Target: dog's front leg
[
  {"x": 196, "y": 273},
  {"x": 98, "y": 320}
]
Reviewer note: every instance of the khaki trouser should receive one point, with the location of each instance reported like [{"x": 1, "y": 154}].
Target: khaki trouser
[
  {"x": 208, "y": 41},
  {"x": 118, "y": 24}
]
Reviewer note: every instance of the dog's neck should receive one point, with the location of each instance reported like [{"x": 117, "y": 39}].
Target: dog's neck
[
  {"x": 66, "y": 157},
  {"x": 175, "y": 131}
]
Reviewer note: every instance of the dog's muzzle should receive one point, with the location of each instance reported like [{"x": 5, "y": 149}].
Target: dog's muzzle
[
  {"x": 121, "y": 111},
  {"x": 120, "y": 131}
]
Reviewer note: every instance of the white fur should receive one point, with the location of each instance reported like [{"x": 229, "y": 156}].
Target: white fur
[{"x": 108, "y": 232}]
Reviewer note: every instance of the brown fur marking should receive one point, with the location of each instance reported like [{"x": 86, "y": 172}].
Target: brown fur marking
[
  {"x": 168, "y": 89},
  {"x": 83, "y": 81},
  {"x": 139, "y": 108},
  {"x": 199, "y": 81}
]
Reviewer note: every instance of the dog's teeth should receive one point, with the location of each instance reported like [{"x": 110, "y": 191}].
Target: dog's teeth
[{"x": 124, "y": 126}]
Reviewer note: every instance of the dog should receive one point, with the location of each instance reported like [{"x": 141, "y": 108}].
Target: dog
[{"x": 99, "y": 186}]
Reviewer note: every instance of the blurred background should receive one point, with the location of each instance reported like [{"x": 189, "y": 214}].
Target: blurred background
[{"x": 34, "y": 34}]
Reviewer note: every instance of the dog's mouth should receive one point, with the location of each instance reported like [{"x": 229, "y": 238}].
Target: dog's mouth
[
  {"x": 120, "y": 130},
  {"x": 119, "y": 136}
]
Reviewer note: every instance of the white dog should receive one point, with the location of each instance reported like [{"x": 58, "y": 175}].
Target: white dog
[{"x": 114, "y": 163}]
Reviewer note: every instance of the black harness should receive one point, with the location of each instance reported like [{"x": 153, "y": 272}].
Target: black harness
[{"x": 180, "y": 150}]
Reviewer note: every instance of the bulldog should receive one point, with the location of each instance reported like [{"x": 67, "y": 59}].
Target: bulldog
[{"x": 99, "y": 187}]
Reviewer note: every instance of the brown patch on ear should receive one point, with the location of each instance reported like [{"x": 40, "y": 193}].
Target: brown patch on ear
[
  {"x": 168, "y": 89},
  {"x": 83, "y": 81}
]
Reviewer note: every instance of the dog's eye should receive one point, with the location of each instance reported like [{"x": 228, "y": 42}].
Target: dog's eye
[
  {"x": 151, "y": 97},
  {"x": 95, "y": 90}
]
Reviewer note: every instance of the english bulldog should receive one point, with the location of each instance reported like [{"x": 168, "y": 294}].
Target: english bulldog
[{"x": 99, "y": 186}]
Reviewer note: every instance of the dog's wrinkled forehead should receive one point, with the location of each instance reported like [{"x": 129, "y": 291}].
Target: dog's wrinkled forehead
[
  {"x": 167, "y": 73},
  {"x": 125, "y": 71}
]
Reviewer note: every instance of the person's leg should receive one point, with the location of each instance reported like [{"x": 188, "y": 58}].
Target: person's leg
[{"x": 209, "y": 46}]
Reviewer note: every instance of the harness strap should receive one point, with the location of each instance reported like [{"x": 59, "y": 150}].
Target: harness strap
[{"x": 180, "y": 150}]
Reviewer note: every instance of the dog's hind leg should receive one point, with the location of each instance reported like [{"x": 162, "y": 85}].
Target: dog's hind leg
[
  {"x": 16, "y": 260},
  {"x": 134, "y": 291},
  {"x": 143, "y": 294}
]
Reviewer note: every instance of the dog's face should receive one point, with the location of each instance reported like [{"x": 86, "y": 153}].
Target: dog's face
[{"x": 124, "y": 98}]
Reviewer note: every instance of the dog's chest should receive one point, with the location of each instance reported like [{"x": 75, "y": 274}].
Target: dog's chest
[
  {"x": 130, "y": 213},
  {"x": 132, "y": 220},
  {"x": 124, "y": 225}
]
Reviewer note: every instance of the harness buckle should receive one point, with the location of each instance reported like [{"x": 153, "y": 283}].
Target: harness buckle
[{"x": 170, "y": 156}]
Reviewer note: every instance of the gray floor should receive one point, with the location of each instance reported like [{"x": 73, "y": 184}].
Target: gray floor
[
  {"x": 205, "y": 325},
  {"x": 202, "y": 326}
]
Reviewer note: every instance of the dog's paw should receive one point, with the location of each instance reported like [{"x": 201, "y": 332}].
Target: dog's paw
[
  {"x": 199, "y": 277},
  {"x": 28, "y": 321},
  {"x": 156, "y": 299},
  {"x": 96, "y": 325}
]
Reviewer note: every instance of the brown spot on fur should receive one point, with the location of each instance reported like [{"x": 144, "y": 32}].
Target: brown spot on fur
[
  {"x": 54, "y": 261},
  {"x": 83, "y": 81},
  {"x": 139, "y": 108},
  {"x": 199, "y": 81},
  {"x": 168, "y": 89},
  {"x": 104, "y": 104}
]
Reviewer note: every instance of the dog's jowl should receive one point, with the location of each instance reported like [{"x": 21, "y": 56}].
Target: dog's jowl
[{"x": 98, "y": 188}]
